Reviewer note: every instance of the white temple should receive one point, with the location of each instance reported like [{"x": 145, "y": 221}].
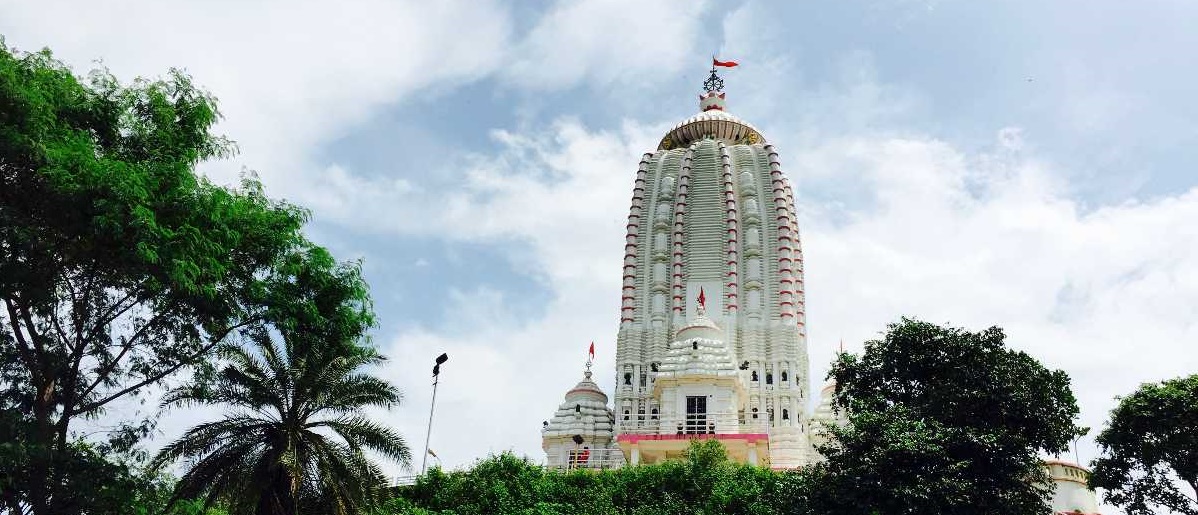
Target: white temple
[
  {"x": 712, "y": 213},
  {"x": 712, "y": 338}
]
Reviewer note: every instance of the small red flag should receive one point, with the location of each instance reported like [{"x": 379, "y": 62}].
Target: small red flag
[
  {"x": 726, "y": 64},
  {"x": 592, "y": 351},
  {"x": 702, "y": 298}
]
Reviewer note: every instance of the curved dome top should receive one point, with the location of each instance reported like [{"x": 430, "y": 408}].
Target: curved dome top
[
  {"x": 584, "y": 413},
  {"x": 586, "y": 390},
  {"x": 700, "y": 327},
  {"x": 713, "y": 122}
]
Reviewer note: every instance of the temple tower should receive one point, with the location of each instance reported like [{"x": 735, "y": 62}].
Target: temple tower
[
  {"x": 712, "y": 210},
  {"x": 581, "y": 433}
]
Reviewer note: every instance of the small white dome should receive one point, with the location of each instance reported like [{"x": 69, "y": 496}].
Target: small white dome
[
  {"x": 584, "y": 412},
  {"x": 698, "y": 349}
]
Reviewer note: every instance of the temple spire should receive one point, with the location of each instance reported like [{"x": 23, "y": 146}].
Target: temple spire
[
  {"x": 713, "y": 87},
  {"x": 714, "y": 82}
]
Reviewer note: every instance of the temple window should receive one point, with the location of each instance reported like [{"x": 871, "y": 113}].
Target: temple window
[
  {"x": 783, "y": 376},
  {"x": 640, "y": 416},
  {"x": 628, "y": 378},
  {"x": 626, "y": 413},
  {"x": 785, "y": 414},
  {"x": 643, "y": 378},
  {"x": 754, "y": 376},
  {"x": 754, "y": 413},
  {"x": 769, "y": 378},
  {"x": 696, "y": 414}
]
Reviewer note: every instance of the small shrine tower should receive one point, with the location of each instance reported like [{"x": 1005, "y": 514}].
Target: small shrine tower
[
  {"x": 581, "y": 432},
  {"x": 1071, "y": 490}
]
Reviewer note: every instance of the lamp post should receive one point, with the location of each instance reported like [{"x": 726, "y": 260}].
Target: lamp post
[{"x": 428, "y": 435}]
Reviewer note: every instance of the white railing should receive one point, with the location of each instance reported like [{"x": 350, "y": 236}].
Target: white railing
[
  {"x": 694, "y": 424},
  {"x": 591, "y": 459}
]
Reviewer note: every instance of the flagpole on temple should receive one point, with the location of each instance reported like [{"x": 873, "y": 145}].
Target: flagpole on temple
[{"x": 714, "y": 82}]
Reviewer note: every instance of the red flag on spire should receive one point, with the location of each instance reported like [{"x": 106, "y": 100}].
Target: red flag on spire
[
  {"x": 591, "y": 352},
  {"x": 725, "y": 64},
  {"x": 702, "y": 298}
]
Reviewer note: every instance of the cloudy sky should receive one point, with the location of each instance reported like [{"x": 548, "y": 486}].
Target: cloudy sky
[{"x": 1025, "y": 164}]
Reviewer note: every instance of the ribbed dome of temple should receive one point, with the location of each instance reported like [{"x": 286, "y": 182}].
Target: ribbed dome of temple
[
  {"x": 824, "y": 417},
  {"x": 825, "y": 414},
  {"x": 699, "y": 349},
  {"x": 584, "y": 412},
  {"x": 713, "y": 211}
]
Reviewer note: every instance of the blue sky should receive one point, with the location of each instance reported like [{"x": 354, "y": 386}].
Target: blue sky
[{"x": 1022, "y": 164}]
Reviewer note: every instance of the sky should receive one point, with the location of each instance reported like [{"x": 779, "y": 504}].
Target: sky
[{"x": 1024, "y": 164}]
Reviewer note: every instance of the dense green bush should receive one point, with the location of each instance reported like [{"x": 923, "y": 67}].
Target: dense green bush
[{"x": 705, "y": 482}]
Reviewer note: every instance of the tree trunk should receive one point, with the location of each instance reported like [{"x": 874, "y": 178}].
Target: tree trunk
[{"x": 41, "y": 494}]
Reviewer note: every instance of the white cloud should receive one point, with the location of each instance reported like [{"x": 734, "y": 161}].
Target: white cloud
[
  {"x": 289, "y": 74},
  {"x": 625, "y": 41}
]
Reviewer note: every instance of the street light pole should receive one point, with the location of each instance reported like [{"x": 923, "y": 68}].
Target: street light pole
[{"x": 428, "y": 434}]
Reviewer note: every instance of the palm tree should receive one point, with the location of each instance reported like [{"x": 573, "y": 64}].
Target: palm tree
[{"x": 293, "y": 438}]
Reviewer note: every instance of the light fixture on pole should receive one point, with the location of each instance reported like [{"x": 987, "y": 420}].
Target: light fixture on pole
[{"x": 428, "y": 435}]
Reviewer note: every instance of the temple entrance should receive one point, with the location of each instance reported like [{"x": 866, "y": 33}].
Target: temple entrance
[{"x": 696, "y": 414}]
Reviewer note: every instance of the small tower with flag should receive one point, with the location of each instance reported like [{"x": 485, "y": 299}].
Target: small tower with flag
[{"x": 581, "y": 433}]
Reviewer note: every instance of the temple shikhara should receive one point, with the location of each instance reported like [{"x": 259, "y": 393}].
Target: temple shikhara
[{"x": 712, "y": 340}]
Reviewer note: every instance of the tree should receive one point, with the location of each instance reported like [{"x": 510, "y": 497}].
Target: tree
[
  {"x": 1149, "y": 448},
  {"x": 100, "y": 479},
  {"x": 119, "y": 265},
  {"x": 294, "y": 435},
  {"x": 943, "y": 420}
]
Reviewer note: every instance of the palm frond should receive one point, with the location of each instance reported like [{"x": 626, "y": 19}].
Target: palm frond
[{"x": 358, "y": 430}]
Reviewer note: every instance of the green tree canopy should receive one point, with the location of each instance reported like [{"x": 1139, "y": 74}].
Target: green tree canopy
[
  {"x": 1149, "y": 449},
  {"x": 943, "y": 420},
  {"x": 119, "y": 265}
]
